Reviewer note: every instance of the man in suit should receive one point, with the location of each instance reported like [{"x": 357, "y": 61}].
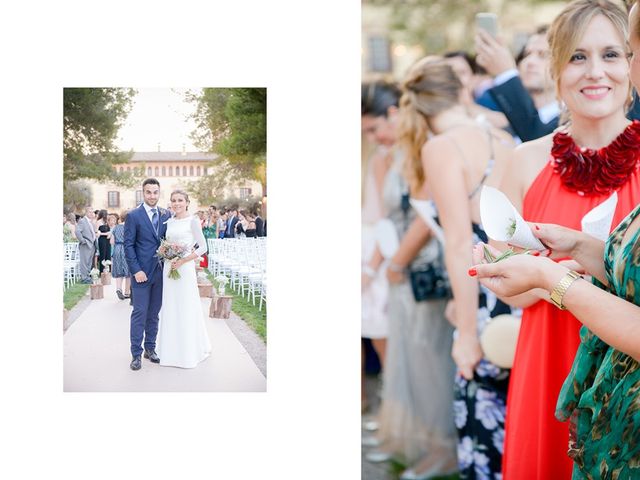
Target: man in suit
[
  {"x": 259, "y": 223},
  {"x": 525, "y": 92},
  {"x": 259, "y": 226},
  {"x": 231, "y": 223},
  {"x": 86, "y": 236},
  {"x": 144, "y": 228}
]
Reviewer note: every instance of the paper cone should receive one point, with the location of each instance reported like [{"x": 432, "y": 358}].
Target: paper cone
[
  {"x": 497, "y": 215},
  {"x": 597, "y": 222},
  {"x": 427, "y": 211}
]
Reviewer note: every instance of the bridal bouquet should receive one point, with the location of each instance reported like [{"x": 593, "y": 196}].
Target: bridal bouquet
[
  {"x": 107, "y": 265},
  {"x": 170, "y": 251}
]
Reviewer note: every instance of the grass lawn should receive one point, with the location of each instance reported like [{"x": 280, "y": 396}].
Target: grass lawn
[
  {"x": 74, "y": 293},
  {"x": 242, "y": 307}
]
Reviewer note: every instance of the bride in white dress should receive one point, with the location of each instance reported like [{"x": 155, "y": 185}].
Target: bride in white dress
[{"x": 182, "y": 335}]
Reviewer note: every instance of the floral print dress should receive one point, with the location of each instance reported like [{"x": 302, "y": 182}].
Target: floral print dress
[
  {"x": 601, "y": 395},
  {"x": 479, "y": 404}
]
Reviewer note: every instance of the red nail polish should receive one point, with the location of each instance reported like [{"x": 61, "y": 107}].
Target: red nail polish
[
  {"x": 473, "y": 272},
  {"x": 536, "y": 253},
  {"x": 537, "y": 227}
]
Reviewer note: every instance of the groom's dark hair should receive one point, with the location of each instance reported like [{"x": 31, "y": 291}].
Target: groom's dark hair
[{"x": 150, "y": 181}]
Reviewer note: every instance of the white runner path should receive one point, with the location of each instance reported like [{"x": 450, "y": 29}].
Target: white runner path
[{"x": 97, "y": 356}]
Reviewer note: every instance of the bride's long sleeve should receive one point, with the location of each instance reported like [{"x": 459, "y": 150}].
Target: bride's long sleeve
[{"x": 198, "y": 236}]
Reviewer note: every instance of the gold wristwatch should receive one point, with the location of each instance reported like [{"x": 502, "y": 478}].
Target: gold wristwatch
[{"x": 561, "y": 288}]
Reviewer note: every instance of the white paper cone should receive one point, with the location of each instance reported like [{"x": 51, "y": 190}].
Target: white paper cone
[
  {"x": 497, "y": 214},
  {"x": 427, "y": 211},
  {"x": 597, "y": 222}
]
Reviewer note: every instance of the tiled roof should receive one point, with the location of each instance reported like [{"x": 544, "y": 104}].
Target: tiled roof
[{"x": 173, "y": 157}]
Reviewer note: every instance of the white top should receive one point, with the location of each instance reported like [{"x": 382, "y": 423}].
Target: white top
[{"x": 187, "y": 231}]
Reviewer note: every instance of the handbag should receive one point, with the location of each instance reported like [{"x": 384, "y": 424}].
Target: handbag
[
  {"x": 499, "y": 339},
  {"x": 428, "y": 281}
]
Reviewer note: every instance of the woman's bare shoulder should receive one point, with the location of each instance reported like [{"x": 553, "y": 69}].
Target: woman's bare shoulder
[{"x": 535, "y": 150}]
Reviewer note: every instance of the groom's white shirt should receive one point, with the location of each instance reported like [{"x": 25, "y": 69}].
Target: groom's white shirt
[{"x": 147, "y": 208}]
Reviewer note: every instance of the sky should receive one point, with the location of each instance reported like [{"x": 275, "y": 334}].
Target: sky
[{"x": 158, "y": 115}]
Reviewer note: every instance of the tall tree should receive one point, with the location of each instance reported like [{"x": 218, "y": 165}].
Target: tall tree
[
  {"x": 232, "y": 122},
  {"x": 92, "y": 118},
  {"x": 429, "y": 22}
]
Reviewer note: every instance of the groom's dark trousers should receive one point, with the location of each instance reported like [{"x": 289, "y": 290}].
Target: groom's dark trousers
[{"x": 147, "y": 300}]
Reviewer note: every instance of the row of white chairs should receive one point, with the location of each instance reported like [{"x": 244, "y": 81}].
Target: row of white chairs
[
  {"x": 71, "y": 263},
  {"x": 244, "y": 262}
]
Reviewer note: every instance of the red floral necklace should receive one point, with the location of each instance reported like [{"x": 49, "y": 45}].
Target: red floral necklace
[{"x": 597, "y": 172}]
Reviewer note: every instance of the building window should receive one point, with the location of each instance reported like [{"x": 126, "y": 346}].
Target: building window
[
  {"x": 171, "y": 171},
  {"x": 191, "y": 171},
  {"x": 139, "y": 198},
  {"x": 113, "y": 199},
  {"x": 198, "y": 171},
  {"x": 164, "y": 171},
  {"x": 149, "y": 171},
  {"x": 128, "y": 169},
  {"x": 157, "y": 171},
  {"x": 119, "y": 169},
  {"x": 379, "y": 54},
  {"x": 245, "y": 193},
  {"x": 184, "y": 171}
]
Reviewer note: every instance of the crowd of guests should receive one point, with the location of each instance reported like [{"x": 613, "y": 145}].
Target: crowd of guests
[
  {"x": 553, "y": 128},
  {"x": 100, "y": 237}
]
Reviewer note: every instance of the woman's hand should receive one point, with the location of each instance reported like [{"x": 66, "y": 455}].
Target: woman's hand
[
  {"x": 394, "y": 277},
  {"x": 514, "y": 275},
  {"x": 365, "y": 281},
  {"x": 466, "y": 352},
  {"x": 561, "y": 241},
  {"x": 176, "y": 263}
]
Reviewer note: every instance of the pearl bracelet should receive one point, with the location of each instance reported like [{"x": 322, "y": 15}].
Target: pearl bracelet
[{"x": 394, "y": 267}]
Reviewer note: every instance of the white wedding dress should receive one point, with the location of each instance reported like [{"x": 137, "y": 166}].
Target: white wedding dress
[{"x": 182, "y": 335}]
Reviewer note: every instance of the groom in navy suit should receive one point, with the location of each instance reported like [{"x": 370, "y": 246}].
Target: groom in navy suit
[{"x": 144, "y": 228}]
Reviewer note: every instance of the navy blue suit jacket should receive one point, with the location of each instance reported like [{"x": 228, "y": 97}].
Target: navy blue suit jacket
[
  {"x": 141, "y": 241},
  {"x": 516, "y": 103},
  {"x": 231, "y": 230}
]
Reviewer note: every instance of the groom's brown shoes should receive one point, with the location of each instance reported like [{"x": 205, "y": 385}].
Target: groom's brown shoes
[
  {"x": 136, "y": 363},
  {"x": 151, "y": 355}
]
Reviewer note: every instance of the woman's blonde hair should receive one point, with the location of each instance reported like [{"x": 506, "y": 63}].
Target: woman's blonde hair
[
  {"x": 180, "y": 192},
  {"x": 430, "y": 87},
  {"x": 569, "y": 27},
  {"x": 635, "y": 29}
]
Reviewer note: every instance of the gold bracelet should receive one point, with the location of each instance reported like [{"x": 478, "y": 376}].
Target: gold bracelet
[{"x": 557, "y": 294}]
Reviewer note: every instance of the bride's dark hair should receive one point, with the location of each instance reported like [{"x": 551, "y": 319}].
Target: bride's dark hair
[{"x": 183, "y": 193}]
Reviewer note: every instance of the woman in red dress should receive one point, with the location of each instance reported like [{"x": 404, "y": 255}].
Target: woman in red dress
[{"x": 558, "y": 179}]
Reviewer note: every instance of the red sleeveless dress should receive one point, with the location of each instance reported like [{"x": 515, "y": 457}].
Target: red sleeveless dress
[{"x": 535, "y": 442}]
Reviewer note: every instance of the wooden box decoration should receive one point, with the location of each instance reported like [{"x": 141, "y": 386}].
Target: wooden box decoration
[
  {"x": 206, "y": 289},
  {"x": 220, "y": 306},
  {"x": 97, "y": 292}
]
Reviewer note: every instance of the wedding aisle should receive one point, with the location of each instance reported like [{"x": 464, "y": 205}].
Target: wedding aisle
[{"x": 96, "y": 356}]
